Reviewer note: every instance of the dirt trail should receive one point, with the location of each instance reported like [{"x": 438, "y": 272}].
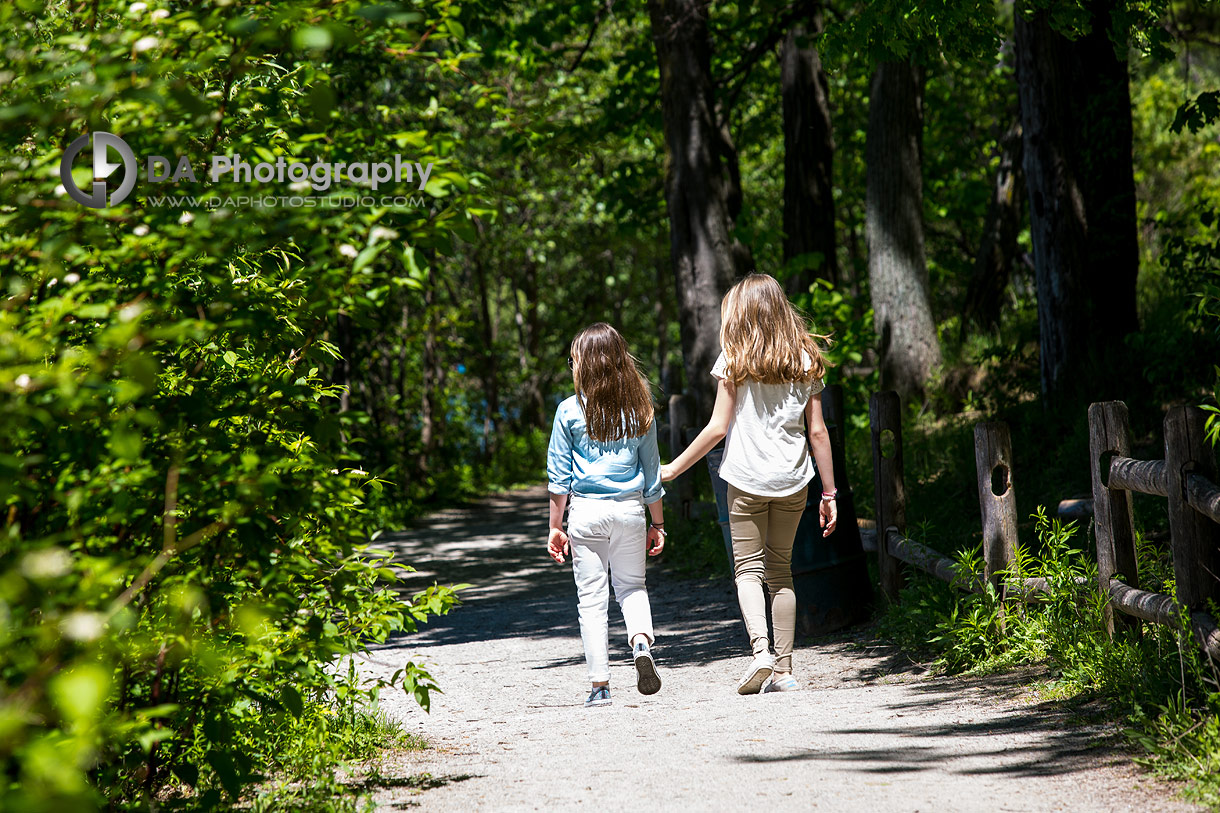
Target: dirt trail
[{"x": 868, "y": 733}]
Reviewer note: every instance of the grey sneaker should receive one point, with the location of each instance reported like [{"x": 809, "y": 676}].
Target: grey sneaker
[
  {"x": 760, "y": 669},
  {"x": 783, "y": 683},
  {"x": 600, "y": 696},
  {"x": 646, "y": 678}
]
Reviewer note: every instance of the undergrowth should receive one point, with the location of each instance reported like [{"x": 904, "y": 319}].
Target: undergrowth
[{"x": 1155, "y": 677}]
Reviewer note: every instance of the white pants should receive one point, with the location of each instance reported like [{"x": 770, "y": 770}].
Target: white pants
[{"x": 609, "y": 533}]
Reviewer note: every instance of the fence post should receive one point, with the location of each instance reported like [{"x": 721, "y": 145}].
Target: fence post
[
  {"x": 997, "y": 501},
  {"x": 1194, "y": 538},
  {"x": 1110, "y": 435},
  {"x": 885, "y": 422}
]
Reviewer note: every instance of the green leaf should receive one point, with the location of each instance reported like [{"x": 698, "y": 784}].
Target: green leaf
[
  {"x": 312, "y": 38},
  {"x": 226, "y": 771},
  {"x": 291, "y": 699}
]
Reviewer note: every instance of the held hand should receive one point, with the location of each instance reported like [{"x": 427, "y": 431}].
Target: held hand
[
  {"x": 557, "y": 544},
  {"x": 828, "y": 516},
  {"x": 667, "y": 473},
  {"x": 656, "y": 541}
]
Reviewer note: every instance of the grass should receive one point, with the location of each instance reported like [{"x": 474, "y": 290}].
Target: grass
[{"x": 364, "y": 737}]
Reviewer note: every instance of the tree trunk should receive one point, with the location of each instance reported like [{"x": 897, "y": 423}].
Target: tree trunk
[
  {"x": 430, "y": 410},
  {"x": 809, "y": 213},
  {"x": 490, "y": 372},
  {"x": 998, "y": 248},
  {"x": 898, "y": 273},
  {"x": 670, "y": 378},
  {"x": 529, "y": 337},
  {"x": 1076, "y": 118},
  {"x": 702, "y": 188}
]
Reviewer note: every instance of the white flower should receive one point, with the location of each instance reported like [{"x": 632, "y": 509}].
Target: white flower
[
  {"x": 360, "y": 472},
  {"x": 300, "y": 187},
  {"x": 381, "y": 233},
  {"x": 144, "y": 44},
  {"x": 72, "y": 278},
  {"x": 22, "y": 381},
  {"x": 186, "y": 218},
  {"x": 136, "y": 9},
  {"x": 47, "y": 563},
  {"x": 52, "y": 282},
  {"x": 60, "y": 191},
  {"x": 82, "y": 626},
  {"x": 160, "y": 14},
  {"x": 140, "y": 230},
  {"x": 130, "y": 312},
  {"x": 348, "y": 250}
]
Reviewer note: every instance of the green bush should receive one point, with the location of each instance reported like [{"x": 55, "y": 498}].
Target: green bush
[{"x": 185, "y": 531}]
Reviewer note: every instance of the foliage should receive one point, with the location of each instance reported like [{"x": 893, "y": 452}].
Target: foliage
[
  {"x": 695, "y": 547},
  {"x": 1155, "y": 674},
  {"x": 1197, "y": 113},
  {"x": 186, "y": 522}
]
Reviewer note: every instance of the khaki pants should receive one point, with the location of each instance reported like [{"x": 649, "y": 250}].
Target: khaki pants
[{"x": 763, "y": 529}]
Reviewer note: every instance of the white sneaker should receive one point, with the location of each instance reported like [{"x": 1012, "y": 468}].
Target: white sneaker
[
  {"x": 783, "y": 683},
  {"x": 760, "y": 669}
]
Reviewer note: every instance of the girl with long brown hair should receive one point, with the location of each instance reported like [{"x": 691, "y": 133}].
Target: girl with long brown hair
[
  {"x": 603, "y": 456},
  {"x": 769, "y": 376}
]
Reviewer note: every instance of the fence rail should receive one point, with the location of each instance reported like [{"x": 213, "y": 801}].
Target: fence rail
[{"x": 1186, "y": 477}]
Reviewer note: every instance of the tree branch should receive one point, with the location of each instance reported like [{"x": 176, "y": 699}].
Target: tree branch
[{"x": 597, "y": 21}]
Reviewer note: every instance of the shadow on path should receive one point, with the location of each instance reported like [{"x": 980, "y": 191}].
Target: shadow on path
[{"x": 497, "y": 545}]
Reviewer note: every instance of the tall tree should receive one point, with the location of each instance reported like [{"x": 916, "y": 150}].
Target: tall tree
[
  {"x": 1076, "y": 117},
  {"x": 998, "y": 248},
  {"x": 809, "y": 215},
  {"x": 702, "y": 187},
  {"x": 897, "y": 268}
]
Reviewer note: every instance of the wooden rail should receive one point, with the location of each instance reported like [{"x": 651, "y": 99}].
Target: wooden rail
[{"x": 1186, "y": 477}]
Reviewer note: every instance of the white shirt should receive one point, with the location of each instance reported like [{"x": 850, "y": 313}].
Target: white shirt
[{"x": 766, "y": 452}]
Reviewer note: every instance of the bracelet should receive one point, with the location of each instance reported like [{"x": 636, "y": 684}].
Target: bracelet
[
  {"x": 656, "y": 525},
  {"x": 828, "y": 496}
]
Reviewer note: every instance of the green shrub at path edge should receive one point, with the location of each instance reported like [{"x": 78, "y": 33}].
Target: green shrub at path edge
[{"x": 184, "y": 559}]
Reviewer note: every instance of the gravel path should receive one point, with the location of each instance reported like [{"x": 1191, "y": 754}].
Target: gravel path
[{"x": 869, "y": 733}]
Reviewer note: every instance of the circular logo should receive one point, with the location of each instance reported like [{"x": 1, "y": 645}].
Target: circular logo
[{"x": 103, "y": 142}]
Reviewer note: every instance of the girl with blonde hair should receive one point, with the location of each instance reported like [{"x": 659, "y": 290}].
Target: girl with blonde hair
[
  {"x": 769, "y": 383},
  {"x": 603, "y": 455}
]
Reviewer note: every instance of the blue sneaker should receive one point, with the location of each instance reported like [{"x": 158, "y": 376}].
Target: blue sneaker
[
  {"x": 783, "y": 683},
  {"x": 646, "y": 678},
  {"x": 600, "y": 696}
]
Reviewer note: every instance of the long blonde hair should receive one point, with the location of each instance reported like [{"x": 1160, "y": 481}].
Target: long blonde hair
[
  {"x": 612, "y": 390},
  {"x": 764, "y": 337}
]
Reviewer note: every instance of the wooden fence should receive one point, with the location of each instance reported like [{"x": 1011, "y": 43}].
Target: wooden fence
[{"x": 1187, "y": 477}]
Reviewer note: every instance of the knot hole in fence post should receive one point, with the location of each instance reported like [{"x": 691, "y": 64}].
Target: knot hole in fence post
[
  {"x": 887, "y": 444},
  {"x": 1000, "y": 480},
  {"x": 1103, "y": 466}
]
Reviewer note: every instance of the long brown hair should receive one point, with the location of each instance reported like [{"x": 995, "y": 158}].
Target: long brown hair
[
  {"x": 764, "y": 337},
  {"x": 612, "y": 390}
]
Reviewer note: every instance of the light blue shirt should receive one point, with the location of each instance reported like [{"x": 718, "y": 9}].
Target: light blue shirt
[{"x": 579, "y": 465}]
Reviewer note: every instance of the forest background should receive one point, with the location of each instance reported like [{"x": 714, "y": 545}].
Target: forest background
[{"x": 1003, "y": 212}]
